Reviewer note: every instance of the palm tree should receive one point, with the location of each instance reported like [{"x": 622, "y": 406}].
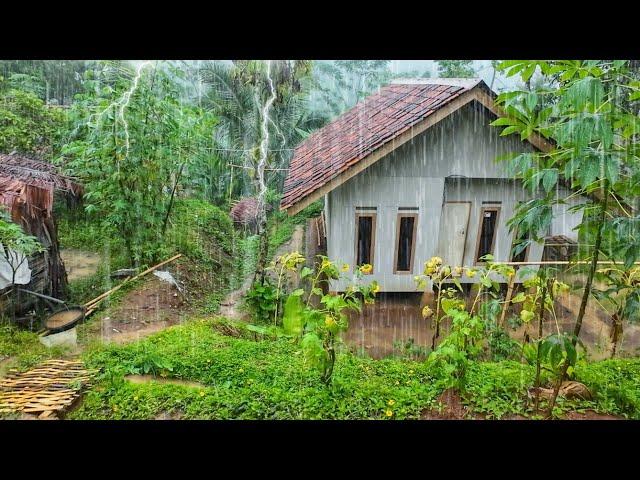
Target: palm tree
[{"x": 237, "y": 95}]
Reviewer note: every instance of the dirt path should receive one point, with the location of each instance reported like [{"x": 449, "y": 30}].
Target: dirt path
[
  {"x": 230, "y": 306},
  {"x": 79, "y": 264},
  {"x": 153, "y": 306}
]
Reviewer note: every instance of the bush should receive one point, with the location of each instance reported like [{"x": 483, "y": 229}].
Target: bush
[{"x": 615, "y": 384}]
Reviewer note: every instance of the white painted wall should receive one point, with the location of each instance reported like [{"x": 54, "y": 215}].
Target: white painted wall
[
  {"x": 564, "y": 222},
  {"x": 418, "y": 174}
]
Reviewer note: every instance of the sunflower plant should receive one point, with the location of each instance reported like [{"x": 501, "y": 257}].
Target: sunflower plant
[
  {"x": 466, "y": 335},
  {"x": 319, "y": 328}
]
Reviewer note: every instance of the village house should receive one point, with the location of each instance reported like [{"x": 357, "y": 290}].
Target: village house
[{"x": 411, "y": 172}]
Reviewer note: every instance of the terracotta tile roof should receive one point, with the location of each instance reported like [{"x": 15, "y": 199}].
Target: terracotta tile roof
[{"x": 369, "y": 125}]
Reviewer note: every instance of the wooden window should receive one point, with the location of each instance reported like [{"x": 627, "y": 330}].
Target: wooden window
[
  {"x": 365, "y": 238},
  {"x": 405, "y": 242},
  {"x": 487, "y": 231},
  {"x": 523, "y": 254}
]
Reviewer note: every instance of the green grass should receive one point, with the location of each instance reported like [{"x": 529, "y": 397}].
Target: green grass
[
  {"x": 249, "y": 379},
  {"x": 615, "y": 384},
  {"x": 282, "y": 225},
  {"x": 23, "y": 349},
  {"x": 245, "y": 378}
]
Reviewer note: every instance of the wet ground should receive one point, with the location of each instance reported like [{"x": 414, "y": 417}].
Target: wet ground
[
  {"x": 79, "y": 264},
  {"x": 150, "y": 308},
  {"x": 396, "y": 319}
]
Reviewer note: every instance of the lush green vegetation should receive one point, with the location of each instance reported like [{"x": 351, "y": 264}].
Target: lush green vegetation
[
  {"x": 267, "y": 379},
  {"x": 22, "y": 348}
]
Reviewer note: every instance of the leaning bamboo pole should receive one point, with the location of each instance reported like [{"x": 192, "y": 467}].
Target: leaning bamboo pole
[
  {"x": 91, "y": 305},
  {"x": 561, "y": 262}
]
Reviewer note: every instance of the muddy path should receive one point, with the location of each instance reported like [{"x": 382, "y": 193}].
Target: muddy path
[
  {"x": 230, "y": 307},
  {"x": 149, "y": 308}
]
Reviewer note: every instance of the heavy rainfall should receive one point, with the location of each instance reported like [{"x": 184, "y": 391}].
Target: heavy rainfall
[{"x": 301, "y": 239}]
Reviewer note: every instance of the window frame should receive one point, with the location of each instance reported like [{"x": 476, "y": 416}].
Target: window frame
[
  {"x": 483, "y": 209},
  {"x": 373, "y": 214},
  {"x": 397, "y": 243}
]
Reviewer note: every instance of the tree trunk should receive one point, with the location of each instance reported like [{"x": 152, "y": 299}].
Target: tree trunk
[
  {"x": 585, "y": 296},
  {"x": 263, "y": 249},
  {"x": 540, "y": 321},
  {"x": 616, "y": 332}
]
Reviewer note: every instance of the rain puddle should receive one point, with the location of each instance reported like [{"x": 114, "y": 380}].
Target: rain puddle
[
  {"x": 394, "y": 325},
  {"x": 394, "y": 321},
  {"x": 151, "y": 379}
]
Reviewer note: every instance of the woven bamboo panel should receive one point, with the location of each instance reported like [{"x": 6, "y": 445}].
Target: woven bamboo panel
[{"x": 50, "y": 387}]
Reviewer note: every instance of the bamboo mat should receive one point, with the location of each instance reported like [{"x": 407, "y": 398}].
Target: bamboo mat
[{"x": 50, "y": 387}]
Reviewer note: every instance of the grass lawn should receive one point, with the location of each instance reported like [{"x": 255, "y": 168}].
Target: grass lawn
[{"x": 245, "y": 378}]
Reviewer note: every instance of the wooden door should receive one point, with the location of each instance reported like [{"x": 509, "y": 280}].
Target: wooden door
[{"x": 453, "y": 232}]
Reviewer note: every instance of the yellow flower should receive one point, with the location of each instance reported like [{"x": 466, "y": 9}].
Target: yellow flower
[
  {"x": 388, "y": 413},
  {"x": 436, "y": 260},
  {"x": 326, "y": 263},
  {"x": 202, "y": 394},
  {"x": 135, "y": 397},
  {"x": 115, "y": 408},
  {"x": 329, "y": 321},
  {"x": 366, "y": 268},
  {"x": 345, "y": 267},
  {"x": 426, "y": 311},
  {"x": 471, "y": 273},
  {"x": 457, "y": 271},
  {"x": 391, "y": 402},
  {"x": 376, "y": 288}
]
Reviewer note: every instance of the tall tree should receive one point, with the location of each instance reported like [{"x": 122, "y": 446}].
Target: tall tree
[
  {"x": 339, "y": 84},
  {"x": 133, "y": 143},
  {"x": 261, "y": 109},
  {"x": 54, "y": 81},
  {"x": 594, "y": 151},
  {"x": 27, "y": 125},
  {"x": 455, "y": 68}
]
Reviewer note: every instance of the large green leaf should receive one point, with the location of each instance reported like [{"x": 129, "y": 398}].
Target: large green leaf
[{"x": 292, "y": 321}]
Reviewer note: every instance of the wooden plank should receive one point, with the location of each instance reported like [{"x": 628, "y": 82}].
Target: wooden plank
[{"x": 45, "y": 388}]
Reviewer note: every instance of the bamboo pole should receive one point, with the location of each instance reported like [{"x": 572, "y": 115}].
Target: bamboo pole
[
  {"x": 561, "y": 262},
  {"x": 92, "y": 303}
]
